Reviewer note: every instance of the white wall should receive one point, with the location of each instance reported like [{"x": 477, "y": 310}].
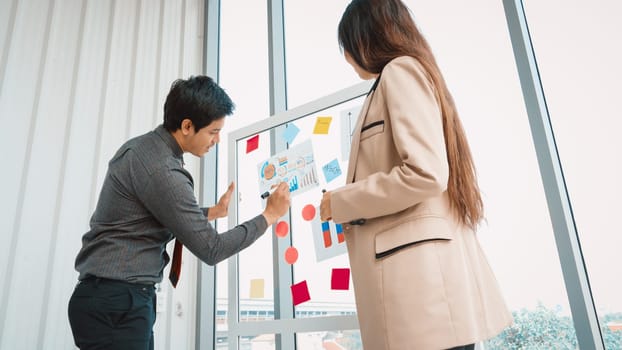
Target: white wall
[{"x": 77, "y": 78}]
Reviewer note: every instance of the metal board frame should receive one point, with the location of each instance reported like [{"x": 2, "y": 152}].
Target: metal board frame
[{"x": 286, "y": 326}]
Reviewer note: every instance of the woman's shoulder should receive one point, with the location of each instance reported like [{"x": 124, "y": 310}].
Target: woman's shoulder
[
  {"x": 404, "y": 62},
  {"x": 402, "y": 67}
]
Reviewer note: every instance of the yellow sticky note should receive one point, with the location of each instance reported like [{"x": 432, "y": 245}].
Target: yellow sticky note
[
  {"x": 257, "y": 286},
  {"x": 322, "y": 124}
]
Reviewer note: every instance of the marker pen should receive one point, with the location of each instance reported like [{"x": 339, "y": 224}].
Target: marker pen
[{"x": 268, "y": 193}]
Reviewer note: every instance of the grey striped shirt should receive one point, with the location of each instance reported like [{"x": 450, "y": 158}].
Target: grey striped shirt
[{"x": 146, "y": 200}]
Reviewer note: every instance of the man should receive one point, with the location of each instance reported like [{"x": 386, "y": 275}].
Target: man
[{"x": 147, "y": 199}]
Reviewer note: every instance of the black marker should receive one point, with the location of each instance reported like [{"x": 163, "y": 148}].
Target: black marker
[{"x": 268, "y": 193}]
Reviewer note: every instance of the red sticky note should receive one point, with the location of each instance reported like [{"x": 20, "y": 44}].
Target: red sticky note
[
  {"x": 300, "y": 293},
  {"x": 252, "y": 143},
  {"x": 340, "y": 279},
  {"x": 281, "y": 229},
  {"x": 308, "y": 212},
  {"x": 291, "y": 255}
]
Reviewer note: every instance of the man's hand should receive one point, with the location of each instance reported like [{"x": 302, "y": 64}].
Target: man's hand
[
  {"x": 278, "y": 203},
  {"x": 221, "y": 209}
]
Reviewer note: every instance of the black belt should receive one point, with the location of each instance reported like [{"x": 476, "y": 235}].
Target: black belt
[{"x": 100, "y": 280}]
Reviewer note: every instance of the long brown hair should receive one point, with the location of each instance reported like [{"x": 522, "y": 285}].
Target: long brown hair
[{"x": 374, "y": 32}]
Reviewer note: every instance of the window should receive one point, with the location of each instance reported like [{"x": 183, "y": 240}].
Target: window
[
  {"x": 580, "y": 71},
  {"x": 244, "y": 76},
  {"x": 475, "y": 55},
  {"x": 473, "y": 49},
  {"x": 315, "y": 65}
]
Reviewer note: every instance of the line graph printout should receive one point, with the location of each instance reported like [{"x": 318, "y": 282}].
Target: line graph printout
[{"x": 296, "y": 166}]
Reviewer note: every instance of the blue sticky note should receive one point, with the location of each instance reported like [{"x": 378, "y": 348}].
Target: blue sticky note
[
  {"x": 290, "y": 132},
  {"x": 331, "y": 170}
]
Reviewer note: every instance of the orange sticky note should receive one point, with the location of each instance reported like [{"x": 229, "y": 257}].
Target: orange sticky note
[
  {"x": 308, "y": 212},
  {"x": 322, "y": 124},
  {"x": 252, "y": 143},
  {"x": 291, "y": 255},
  {"x": 281, "y": 229}
]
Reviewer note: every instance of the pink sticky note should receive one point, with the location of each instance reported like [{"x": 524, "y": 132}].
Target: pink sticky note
[
  {"x": 340, "y": 279},
  {"x": 252, "y": 143},
  {"x": 300, "y": 293}
]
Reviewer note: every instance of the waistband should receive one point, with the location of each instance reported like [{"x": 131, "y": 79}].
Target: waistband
[{"x": 100, "y": 280}]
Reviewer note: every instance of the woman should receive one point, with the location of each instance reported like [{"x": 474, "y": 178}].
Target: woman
[{"x": 411, "y": 203}]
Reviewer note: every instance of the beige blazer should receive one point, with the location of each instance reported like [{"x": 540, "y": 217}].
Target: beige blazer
[{"x": 421, "y": 280}]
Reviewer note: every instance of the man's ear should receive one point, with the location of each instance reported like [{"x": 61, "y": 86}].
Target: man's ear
[{"x": 187, "y": 127}]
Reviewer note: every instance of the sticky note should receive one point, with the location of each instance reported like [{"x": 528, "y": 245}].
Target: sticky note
[
  {"x": 300, "y": 293},
  {"x": 308, "y": 212},
  {"x": 252, "y": 143},
  {"x": 291, "y": 255},
  {"x": 326, "y": 234},
  {"x": 281, "y": 229},
  {"x": 322, "y": 124},
  {"x": 257, "y": 288},
  {"x": 340, "y": 279},
  {"x": 331, "y": 170},
  {"x": 341, "y": 237},
  {"x": 290, "y": 132}
]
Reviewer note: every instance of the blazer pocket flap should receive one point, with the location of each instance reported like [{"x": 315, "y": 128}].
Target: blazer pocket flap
[{"x": 411, "y": 232}]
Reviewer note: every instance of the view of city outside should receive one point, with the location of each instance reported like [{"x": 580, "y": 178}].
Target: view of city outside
[{"x": 472, "y": 46}]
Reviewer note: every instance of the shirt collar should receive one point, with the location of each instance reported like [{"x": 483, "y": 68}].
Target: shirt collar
[
  {"x": 373, "y": 87},
  {"x": 170, "y": 141}
]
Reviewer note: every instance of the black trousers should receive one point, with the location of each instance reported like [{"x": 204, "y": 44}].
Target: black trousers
[{"x": 107, "y": 314}]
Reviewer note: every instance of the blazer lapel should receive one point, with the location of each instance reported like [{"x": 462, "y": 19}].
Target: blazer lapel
[{"x": 356, "y": 138}]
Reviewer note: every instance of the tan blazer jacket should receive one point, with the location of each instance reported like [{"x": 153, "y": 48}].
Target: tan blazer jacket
[{"x": 421, "y": 280}]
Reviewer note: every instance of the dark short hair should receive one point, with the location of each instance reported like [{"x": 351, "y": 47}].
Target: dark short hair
[{"x": 197, "y": 98}]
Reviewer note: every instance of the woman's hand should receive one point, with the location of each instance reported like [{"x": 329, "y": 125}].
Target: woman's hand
[
  {"x": 325, "y": 211},
  {"x": 221, "y": 209}
]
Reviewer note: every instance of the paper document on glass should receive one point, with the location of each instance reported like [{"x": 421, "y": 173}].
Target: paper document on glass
[
  {"x": 328, "y": 238},
  {"x": 296, "y": 166}
]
